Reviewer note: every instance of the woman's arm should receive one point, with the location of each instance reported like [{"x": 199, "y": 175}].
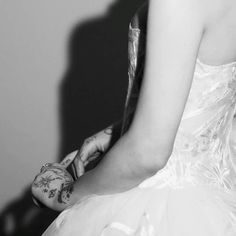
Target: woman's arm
[
  {"x": 94, "y": 147},
  {"x": 175, "y": 30}
]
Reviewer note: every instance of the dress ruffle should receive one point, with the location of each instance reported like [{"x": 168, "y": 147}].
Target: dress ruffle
[{"x": 167, "y": 211}]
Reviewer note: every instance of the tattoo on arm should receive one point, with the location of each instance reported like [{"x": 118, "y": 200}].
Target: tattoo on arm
[
  {"x": 64, "y": 163},
  {"x": 44, "y": 182},
  {"x": 65, "y": 193},
  {"x": 55, "y": 185},
  {"x": 90, "y": 139}
]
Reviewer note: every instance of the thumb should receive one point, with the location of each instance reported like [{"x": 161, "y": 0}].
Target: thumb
[
  {"x": 69, "y": 159},
  {"x": 88, "y": 148}
]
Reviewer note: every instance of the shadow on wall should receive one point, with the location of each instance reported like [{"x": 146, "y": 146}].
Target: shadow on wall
[
  {"x": 92, "y": 96},
  {"x": 94, "y": 88}
]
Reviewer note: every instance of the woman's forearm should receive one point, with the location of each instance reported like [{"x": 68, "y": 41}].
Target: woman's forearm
[
  {"x": 125, "y": 165},
  {"x": 121, "y": 169}
]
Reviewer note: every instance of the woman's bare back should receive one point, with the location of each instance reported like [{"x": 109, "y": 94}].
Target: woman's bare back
[{"x": 218, "y": 45}]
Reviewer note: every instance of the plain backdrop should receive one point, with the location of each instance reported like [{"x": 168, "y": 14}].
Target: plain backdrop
[{"x": 63, "y": 76}]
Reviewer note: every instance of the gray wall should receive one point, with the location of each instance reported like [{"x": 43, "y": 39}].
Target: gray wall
[
  {"x": 32, "y": 61},
  {"x": 47, "y": 109}
]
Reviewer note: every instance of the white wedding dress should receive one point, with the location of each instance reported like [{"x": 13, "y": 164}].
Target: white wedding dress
[{"x": 195, "y": 193}]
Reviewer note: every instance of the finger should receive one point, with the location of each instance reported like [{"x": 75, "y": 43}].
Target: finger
[
  {"x": 78, "y": 167},
  {"x": 92, "y": 157},
  {"x": 88, "y": 148},
  {"x": 69, "y": 159},
  {"x": 81, "y": 168},
  {"x": 74, "y": 171}
]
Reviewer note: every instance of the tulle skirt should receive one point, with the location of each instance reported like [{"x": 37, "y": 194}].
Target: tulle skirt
[{"x": 151, "y": 211}]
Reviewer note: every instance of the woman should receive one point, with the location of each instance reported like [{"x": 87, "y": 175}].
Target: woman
[{"x": 173, "y": 171}]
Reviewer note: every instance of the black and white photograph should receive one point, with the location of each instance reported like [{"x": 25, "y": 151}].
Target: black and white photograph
[{"x": 118, "y": 118}]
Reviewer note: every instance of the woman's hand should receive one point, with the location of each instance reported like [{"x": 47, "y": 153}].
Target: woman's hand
[
  {"x": 52, "y": 185},
  {"x": 92, "y": 148}
]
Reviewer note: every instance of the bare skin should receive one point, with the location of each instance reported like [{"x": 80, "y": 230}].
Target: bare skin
[
  {"x": 218, "y": 43},
  {"x": 95, "y": 146},
  {"x": 54, "y": 185},
  {"x": 179, "y": 31}
]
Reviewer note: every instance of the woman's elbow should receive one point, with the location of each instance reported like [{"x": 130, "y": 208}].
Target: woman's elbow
[
  {"x": 154, "y": 161},
  {"x": 151, "y": 155}
]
